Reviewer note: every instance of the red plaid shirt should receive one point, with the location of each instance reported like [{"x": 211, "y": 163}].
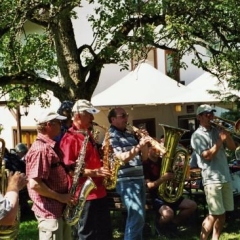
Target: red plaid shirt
[
  {"x": 71, "y": 144},
  {"x": 41, "y": 162}
]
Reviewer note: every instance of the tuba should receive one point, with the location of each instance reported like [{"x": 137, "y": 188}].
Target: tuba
[
  {"x": 110, "y": 161},
  {"x": 72, "y": 213},
  {"x": 175, "y": 160},
  {"x": 7, "y": 232}
]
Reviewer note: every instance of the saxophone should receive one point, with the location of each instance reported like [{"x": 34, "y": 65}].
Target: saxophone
[
  {"x": 72, "y": 213},
  {"x": 110, "y": 161},
  {"x": 158, "y": 146},
  {"x": 7, "y": 232},
  {"x": 175, "y": 160}
]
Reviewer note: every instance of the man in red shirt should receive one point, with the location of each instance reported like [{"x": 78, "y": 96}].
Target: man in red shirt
[
  {"x": 48, "y": 181},
  {"x": 94, "y": 223}
]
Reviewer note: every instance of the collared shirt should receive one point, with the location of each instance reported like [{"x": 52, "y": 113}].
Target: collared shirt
[
  {"x": 124, "y": 141},
  {"x": 71, "y": 145},
  {"x": 42, "y": 162},
  {"x": 215, "y": 170},
  {"x": 5, "y": 206}
]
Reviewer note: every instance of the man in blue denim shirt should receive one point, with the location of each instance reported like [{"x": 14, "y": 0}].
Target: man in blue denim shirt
[{"x": 130, "y": 179}]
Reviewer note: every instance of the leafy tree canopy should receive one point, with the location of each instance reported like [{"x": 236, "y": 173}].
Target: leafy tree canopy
[{"x": 122, "y": 29}]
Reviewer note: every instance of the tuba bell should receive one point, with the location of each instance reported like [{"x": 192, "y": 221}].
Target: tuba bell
[
  {"x": 7, "y": 232},
  {"x": 175, "y": 160}
]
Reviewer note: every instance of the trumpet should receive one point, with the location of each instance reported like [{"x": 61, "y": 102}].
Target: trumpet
[
  {"x": 158, "y": 146},
  {"x": 228, "y": 125}
]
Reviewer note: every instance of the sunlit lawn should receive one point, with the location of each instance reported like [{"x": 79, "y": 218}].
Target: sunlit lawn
[{"x": 29, "y": 231}]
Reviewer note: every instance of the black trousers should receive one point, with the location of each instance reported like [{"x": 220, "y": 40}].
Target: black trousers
[{"x": 95, "y": 221}]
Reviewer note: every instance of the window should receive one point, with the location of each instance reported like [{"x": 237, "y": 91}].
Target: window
[
  {"x": 148, "y": 124},
  {"x": 188, "y": 122},
  {"x": 172, "y": 64},
  {"x": 149, "y": 55},
  {"x": 28, "y": 136}
]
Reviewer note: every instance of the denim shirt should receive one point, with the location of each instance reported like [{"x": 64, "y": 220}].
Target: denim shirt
[{"x": 124, "y": 141}]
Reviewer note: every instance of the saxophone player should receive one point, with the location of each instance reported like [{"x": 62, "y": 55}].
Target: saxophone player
[
  {"x": 130, "y": 180},
  {"x": 48, "y": 182},
  {"x": 95, "y": 221}
]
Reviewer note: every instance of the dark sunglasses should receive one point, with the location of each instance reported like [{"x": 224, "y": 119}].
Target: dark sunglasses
[
  {"x": 56, "y": 122},
  {"x": 123, "y": 115},
  {"x": 207, "y": 113}
]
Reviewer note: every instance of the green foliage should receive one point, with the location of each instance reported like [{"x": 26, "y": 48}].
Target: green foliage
[{"x": 209, "y": 30}]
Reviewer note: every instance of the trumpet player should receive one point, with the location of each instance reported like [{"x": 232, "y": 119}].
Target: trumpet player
[
  {"x": 209, "y": 143},
  {"x": 95, "y": 221},
  {"x": 130, "y": 180}
]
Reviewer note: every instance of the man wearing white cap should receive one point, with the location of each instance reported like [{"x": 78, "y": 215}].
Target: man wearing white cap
[
  {"x": 95, "y": 222},
  {"x": 209, "y": 144},
  {"x": 48, "y": 181}
]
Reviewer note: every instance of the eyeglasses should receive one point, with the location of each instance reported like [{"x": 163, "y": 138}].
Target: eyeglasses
[
  {"x": 56, "y": 122},
  {"x": 123, "y": 115},
  {"x": 207, "y": 114}
]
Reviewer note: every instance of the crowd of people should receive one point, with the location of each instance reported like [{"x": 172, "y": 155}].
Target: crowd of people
[{"x": 65, "y": 151}]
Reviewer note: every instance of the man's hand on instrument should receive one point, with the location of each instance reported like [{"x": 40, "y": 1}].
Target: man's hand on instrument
[
  {"x": 16, "y": 181},
  {"x": 101, "y": 172},
  {"x": 167, "y": 176}
]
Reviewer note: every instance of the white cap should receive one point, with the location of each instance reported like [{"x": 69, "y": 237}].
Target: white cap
[
  {"x": 47, "y": 116},
  {"x": 84, "y": 105},
  {"x": 205, "y": 108}
]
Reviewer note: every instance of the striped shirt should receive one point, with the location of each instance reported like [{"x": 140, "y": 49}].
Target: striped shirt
[
  {"x": 124, "y": 141},
  {"x": 42, "y": 161}
]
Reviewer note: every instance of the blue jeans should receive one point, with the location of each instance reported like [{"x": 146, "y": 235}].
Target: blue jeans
[{"x": 133, "y": 196}]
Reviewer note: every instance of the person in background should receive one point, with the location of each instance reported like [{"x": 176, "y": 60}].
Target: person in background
[
  {"x": 209, "y": 144},
  {"x": 9, "y": 202},
  {"x": 130, "y": 180},
  {"x": 21, "y": 150},
  {"x": 169, "y": 215},
  {"x": 65, "y": 110},
  {"x": 48, "y": 181},
  {"x": 95, "y": 221}
]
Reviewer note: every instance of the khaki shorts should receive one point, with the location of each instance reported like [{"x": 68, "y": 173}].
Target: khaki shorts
[
  {"x": 219, "y": 198},
  {"x": 53, "y": 229}
]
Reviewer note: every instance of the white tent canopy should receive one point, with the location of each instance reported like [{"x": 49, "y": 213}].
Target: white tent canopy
[
  {"x": 199, "y": 90},
  {"x": 143, "y": 86}
]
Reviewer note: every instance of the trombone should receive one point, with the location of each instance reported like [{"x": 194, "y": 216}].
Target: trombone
[{"x": 228, "y": 125}]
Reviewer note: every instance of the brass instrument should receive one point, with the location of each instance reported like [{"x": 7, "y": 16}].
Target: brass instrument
[
  {"x": 7, "y": 232},
  {"x": 228, "y": 125},
  {"x": 175, "y": 160},
  {"x": 158, "y": 146},
  {"x": 72, "y": 213},
  {"x": 110, "y": 161}
]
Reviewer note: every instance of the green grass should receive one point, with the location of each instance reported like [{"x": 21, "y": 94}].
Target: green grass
[{"x": 29, "y": 231}]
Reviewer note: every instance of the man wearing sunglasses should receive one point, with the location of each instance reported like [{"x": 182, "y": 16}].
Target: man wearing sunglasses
[
  {"x": 209, "y": 143},
  {"x": 95, "y": 219},
  {"x": 130, "y": 179}
]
